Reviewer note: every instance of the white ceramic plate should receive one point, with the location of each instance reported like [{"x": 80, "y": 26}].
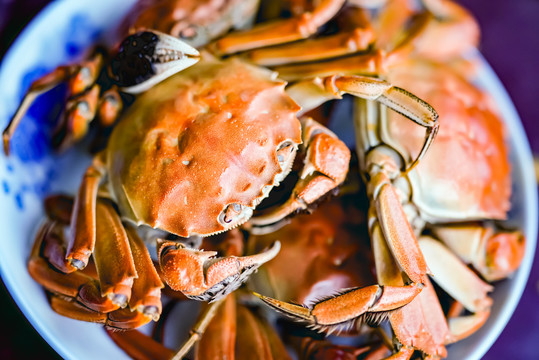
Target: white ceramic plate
[{"x": 60, "y": 34}]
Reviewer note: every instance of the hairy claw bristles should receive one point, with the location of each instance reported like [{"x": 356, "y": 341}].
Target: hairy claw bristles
[
  {"x": 303, "y": 313},
  {"x": 317, "y": 300},
  {"x": 225, "y": 287},
  {"x": 374, "y": 318},
  {"x": 370, "y": 318}
]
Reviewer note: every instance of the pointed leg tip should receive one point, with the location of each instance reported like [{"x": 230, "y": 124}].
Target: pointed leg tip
[
  {"x": 266, "y": 299},
  {"x": 6, "y": 141},
  {"x": 152, "y": 312},
  {"x": 118, "y": 299},
  {"x": 77, "y": 264}
]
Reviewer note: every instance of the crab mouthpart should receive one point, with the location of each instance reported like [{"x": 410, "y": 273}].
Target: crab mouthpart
[{"x": 148, "y": 57}]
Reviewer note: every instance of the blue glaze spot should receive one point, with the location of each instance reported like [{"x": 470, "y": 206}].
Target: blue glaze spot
[
  {"x": 9, "y": 168},
  {"x": 5, "y": 186},
  {"x": 42, "y": 189},
  {"x": 82, "y": 32},
  {"x": 18, "y": 201}
]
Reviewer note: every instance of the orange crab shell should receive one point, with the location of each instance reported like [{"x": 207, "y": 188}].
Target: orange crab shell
[
  {"x": 201, "y": 140},
  {"x": 466, "y": 172},
  {"x": 321, "y": 254}
]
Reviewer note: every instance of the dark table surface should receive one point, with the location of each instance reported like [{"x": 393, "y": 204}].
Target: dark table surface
[{"x": 510, "y": 43}]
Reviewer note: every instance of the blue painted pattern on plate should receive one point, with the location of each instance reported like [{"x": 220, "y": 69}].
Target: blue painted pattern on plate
[{"x": 30, "y": 149}]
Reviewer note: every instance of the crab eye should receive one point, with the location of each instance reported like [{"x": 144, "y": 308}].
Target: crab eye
[
  {"x": 231, "y": 212},
  {"x": 284, "y": 152}
]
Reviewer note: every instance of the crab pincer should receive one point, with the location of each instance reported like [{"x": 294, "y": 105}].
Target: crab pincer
[
  {"x": 147, "y": 58},
  {"x": 202, "y": 276},
  {"x": 352, "y": 306}
]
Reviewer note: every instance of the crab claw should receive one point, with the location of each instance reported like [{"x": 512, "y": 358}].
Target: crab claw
[
  {"x": 348, "y": 309},
  {"x": 149, "y": 57},
  {"x": 202, "y": 276},
  {"x": 325, "y": 167}
]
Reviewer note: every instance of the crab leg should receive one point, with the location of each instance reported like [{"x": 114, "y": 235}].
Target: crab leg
[
  {"x": 387, "y": 213},
  {"x": 343, "y": 311},
  {"x": 74, "y": 310},
  {"x": 121, "y": 319},
  {"x": 110, "y": 107},
  {"x": 146, "y": 290},
  {"x": 397, "y": 99},
  {"x": 113, "y": 259},
  {"x": 454, "y": 277},
  {"x": 43, "y": 273},
  {"x": 496, "y": 255},
  {"x": 382, "y": 165},
  {"x": 201, "y": 276},
  {"x": 362, "y": 64},
  {"x": 80, "y": 76},
  {"x": 160, "y": 55},
  {"x": 462, "y": 284},
  {"x": 325, "y": 168},
  {"x": 219, "y": 339},
  {"x": 420, "y": 324},
  {"x": 280, "y": 31},
  {"x": 82, "y": 286},
  {"x": 59, "y": 208},
  {"x": 139, "y": 346},
  {"x": 116, "y": 284},
  {"x": 316, "y": 49},
  {"x": 83, "y": 221},
  {"x": 462, "y": 326},
  {"x": 78, "y": 114}
]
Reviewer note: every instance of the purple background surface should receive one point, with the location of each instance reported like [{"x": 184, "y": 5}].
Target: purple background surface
[{"x": 510, "y": 43}]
